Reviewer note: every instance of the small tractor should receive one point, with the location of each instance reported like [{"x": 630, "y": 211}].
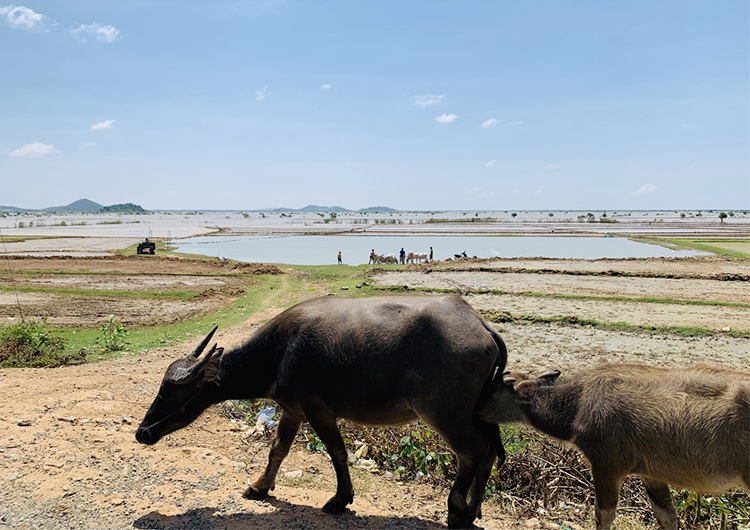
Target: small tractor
[{"x": 146, "y": 247}]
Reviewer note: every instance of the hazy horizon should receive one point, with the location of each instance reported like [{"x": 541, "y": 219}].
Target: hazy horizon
[{"x": 330, "y": 207}]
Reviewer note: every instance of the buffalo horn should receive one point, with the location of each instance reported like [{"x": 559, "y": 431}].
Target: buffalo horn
[
  {"x": 185, "y": 375},
  {"x": 199, "y": 349}
]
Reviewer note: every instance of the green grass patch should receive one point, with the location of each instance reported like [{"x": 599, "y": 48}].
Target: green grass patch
[
  {"x": 681, "y": 331},
  {"x": 637, "y": 299},
  {"x": 162, "y": 248},
  {"x": 58, "y": 272},
  {"x": 19, "y": 239},
  {"x": 713, "y": 246},
  {"x": 102, "y": 293},
  {"x": 342, "y": 280}
]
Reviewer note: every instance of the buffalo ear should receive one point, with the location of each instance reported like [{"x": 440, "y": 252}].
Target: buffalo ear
[
  {"x": 200, "y": 367},
  {"x": 211, "y": 371},
  {"x": 525, "y": 390},
  {"x": 548, "y": 378}
]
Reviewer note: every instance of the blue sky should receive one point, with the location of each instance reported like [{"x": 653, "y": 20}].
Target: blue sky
[{"x": 421, "y": 105}]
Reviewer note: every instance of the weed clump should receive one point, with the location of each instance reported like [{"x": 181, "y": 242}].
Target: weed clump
[
  {"x": 113, "y": 335},
  {"x": 31, "y": 344}
]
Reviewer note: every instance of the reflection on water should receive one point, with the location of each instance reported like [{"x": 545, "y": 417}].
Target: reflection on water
[{"x": 322, "y": 250}]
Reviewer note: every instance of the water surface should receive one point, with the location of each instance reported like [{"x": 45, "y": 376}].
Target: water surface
[{"x": 355, "y": 249}]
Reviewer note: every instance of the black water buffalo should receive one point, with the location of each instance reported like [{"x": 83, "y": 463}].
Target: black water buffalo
[{"x": 379, "y": 361}]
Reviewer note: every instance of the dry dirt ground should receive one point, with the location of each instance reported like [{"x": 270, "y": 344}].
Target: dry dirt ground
[
  {"x": 67, "y": 447},
  {"x": 72, "y": 292}
]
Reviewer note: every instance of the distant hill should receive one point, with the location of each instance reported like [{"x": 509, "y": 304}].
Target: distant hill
[
  {"x": 11, "y": 209},
  {"x": 377, "y": 209},
  {"x": 127, "y": 207},
  {"x": 79, "y": 206},
  {"x": 316, "y": 208}
]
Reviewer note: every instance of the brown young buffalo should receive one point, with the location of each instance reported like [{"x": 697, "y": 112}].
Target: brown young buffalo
[{"x": 685, "y": 426}]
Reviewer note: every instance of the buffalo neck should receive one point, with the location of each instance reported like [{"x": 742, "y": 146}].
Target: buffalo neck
[
  {"x": 249, "y": 371},
  {"x": 554, "y": 409}
]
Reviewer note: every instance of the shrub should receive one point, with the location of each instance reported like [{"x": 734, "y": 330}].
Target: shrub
[
  {"x": 113, "y": 335},
  {"x": 31, "y": 344}
]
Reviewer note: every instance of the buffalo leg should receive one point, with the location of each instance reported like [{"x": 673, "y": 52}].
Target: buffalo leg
[
  {"x": 661, "y": 502},
  {"x": 607, "y": 489},
  {"x": 282, "y": 442},
  {"x": 471, "y": 447},
  {"x": 327, "y": 429},
  {"x": 478, "y": 485},
  {"x": 476, "y": 492}
]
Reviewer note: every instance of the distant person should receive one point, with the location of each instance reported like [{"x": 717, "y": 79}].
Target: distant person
[
  {"x": 339, "y": 257},
  {"x": 373, "y": 256},
  {"x": 430, "y": 253},
  {"x": 402, "y": 256}
]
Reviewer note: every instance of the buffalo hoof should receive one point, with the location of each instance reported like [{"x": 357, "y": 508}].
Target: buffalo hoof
[
  {"x": 254, "y": 494},
  {"x": 473, "y": 517},
  {"x": 335, "y": 506},
  {"x": 458, "y": 521}
]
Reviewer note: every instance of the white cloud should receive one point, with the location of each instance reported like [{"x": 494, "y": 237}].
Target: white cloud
[
  {"x": 551, "y": 167},
  {"x": 428, "y": 100},
  {"x": 102, "y": 125},
  {"x": 96, "y": 30},
  {"x": 519, "y": 122},
  {"x": 35, "y": 150},
  {"x": 325, "y": 87},
  {"x": 24, "y": 17},
  {"x": 492, "y": 122},
  {"x": 490, "y": 163},
  {"x": 645, "y": 190},
  {"x": 446, "y": 118},
  {"x": 260, "y": 94},
  {"x": 479, "y": 192}
]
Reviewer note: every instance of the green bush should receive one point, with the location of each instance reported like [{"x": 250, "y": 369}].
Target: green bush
[
  {"x": 113, "y": 335},
  {"x": 31, "y": 344}
]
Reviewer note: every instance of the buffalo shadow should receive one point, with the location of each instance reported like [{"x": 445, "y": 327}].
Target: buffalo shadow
[{"x": 287, "y": 515}]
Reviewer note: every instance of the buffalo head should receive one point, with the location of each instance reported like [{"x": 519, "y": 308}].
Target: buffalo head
[{"x": 190, "y": 385}]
